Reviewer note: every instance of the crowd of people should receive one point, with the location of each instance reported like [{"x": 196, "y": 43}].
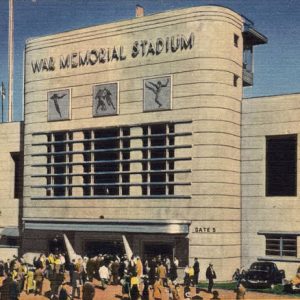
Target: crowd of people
[{"x": 139, "y": 280}]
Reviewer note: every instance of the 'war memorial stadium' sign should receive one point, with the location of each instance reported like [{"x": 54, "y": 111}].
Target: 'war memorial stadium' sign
[{"x": 142, "y": 48}]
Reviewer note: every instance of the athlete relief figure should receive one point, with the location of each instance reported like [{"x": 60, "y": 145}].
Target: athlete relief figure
[
  {"x": 156, "y": 89},
  {"x": 56, "y": 97}
]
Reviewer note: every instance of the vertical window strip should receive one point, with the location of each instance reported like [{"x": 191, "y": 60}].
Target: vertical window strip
[
  {"x": 69, "y": 167},
  {"x": 125, "y": 165},
  {"x": 145, "y": 163}
]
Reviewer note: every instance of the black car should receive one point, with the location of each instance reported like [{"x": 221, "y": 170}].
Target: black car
[{"x": 262, "y": 275}]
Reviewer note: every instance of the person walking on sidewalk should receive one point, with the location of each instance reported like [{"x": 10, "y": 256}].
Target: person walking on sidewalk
[{"x": 210, "y": 276}]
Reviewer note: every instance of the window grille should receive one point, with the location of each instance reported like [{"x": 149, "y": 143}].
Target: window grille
[
  {"x": 281, "y": 245},
  {"x": 101, "y": 160}
]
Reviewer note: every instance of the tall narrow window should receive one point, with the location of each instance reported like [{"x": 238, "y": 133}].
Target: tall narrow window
[
  {"x": 87, "y": 157},
  {"x": 17, "y": 175},
  {"x": 281, "y": 165},
  {"x": 236, "y": 40},
  {"x": 235, "y": 80},
  {"x": 125, "y": 159},
  {"x": 248, "y": 58}
]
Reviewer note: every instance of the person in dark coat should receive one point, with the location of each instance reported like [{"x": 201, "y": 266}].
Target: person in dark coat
[
  {"x": 152, "y": 271},
  {"x": 173, "y": 271},
  {"x": 9, "y": 289},
  {"x": 122, "y": 267},
  {"x": 1, "y": 268},
  {"x": 125, "y": 281},
  {"x": 115, "y": 272},
  {"x": 215, "y": 296},
  {"x": 187, "y": 292},
  {"x": 56, "y": 280},
  {"x": 145, "y": 293},
  {"x": 131, "y": 266},
  {"x": 237, "y": 276},
  {"x": 63, "y": 293},
  {"x": 76, "y": 283},
  {"x": 72, "y": 269},
  {"x": 196, "y": 268},
  {"x": 88, "y": 291},
  {"x": 90, "y": 269},
  {"x": 210, "y": 276},
  {"x": 134, "y": 292}
]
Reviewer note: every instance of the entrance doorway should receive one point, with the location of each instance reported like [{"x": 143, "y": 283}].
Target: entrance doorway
[
  {"x": 56, "y": 246},
  {"x": 154, "y": 249},
  {"x": 93, "y": 248}
]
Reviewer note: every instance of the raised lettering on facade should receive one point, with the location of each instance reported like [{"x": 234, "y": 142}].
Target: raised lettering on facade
[{"x": 141, "y": 48}]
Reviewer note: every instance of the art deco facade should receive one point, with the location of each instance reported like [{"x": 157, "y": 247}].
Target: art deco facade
[
  {"x": 138, "y": 128},
  {"x": 157, "y": 160}
]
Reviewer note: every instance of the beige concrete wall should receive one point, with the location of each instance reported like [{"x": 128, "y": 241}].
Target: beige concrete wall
[
  {"x": 8, "y": 252},
  {"x": 10, "y": 142},
  {"x": 202, "y": 92},
  {"x": 274, "y": 115}
]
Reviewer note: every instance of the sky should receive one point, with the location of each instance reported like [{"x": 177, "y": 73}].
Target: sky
[{"x": 276, "y": 64}]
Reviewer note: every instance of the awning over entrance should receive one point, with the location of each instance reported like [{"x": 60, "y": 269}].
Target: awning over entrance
[
  {"x": 133, "y": 226},
  {"x": 9, "y": 231}
]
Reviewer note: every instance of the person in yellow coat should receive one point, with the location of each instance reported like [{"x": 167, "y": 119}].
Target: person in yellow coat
[
  {"x": 191, "y": 273},
  {"x": 51, "y": 261},
  {"x": 30, "y": 284},
  {"x": 139, "y": 267},
  {"x": 57, "y": 263},
  {"x": 134, "y": 290},
  {"x": 296, "y": 279},
  {"x": 162, "y": 274}
]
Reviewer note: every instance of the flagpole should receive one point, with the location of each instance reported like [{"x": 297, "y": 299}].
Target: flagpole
[{"x": 10, "y": 59}]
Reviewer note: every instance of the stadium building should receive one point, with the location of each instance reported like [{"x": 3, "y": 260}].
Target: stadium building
[{"x": 138, "y": 128}]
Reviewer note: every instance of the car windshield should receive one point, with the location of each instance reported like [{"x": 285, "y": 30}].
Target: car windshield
[{"x": 260, "y": 267}]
